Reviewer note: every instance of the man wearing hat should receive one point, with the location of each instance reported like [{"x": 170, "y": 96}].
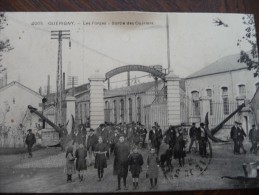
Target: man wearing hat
[
  {"x": 30, "y": 141},
  {"x": 114, "y": 139},
  {"x": 202, "y": 138},
  {"x": 233, "y": 135},
  {"x": 92, "y": 140}
]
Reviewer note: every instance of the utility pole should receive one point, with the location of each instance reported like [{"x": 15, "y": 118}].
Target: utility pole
[
  {"x": 168, "y": 42},
  {"x": 59, "y": 35}
]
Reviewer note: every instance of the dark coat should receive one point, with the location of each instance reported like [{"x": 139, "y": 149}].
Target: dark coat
[
  {"x": 92, "y": 141},
  {"x": 152, "y": 162},
  {"x": 103, "y": 132},
  {"x": 121, "y": 152},
  {"x": 179, "y": 151},
  {"x": 193, "y": 132},
  {"x": 30, "y": 139},
  {"x": 70, "y": 165},
  {"x": 80, "y": 155},
  {"x": 135, "y": 162},
  {"x": 78, "y": 138},
  {"x": 241, "y": 134},
  {"x": 170, "y": 137},
  {"x": 234, "y": 132},
  {"x": 199, "y": 134},
  {"x": 100, "y": 159}
]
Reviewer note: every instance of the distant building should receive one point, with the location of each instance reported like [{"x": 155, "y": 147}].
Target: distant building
[
  {"x": 226, "y": 83},
  {"x": 15, "y": 118},
  {"x": 3, "y": 78}
]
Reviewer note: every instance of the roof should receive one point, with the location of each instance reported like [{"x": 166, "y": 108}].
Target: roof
[
  {"x": 140, "y": 88},
  {"x": 225, "y": 64},
  {"x": 15, "y": 83}
]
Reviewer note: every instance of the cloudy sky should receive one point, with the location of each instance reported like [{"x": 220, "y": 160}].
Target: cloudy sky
[{"x": 100, "y": 41}]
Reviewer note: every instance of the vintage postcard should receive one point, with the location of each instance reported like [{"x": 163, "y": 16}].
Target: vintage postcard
[{"x": 128, "y": 102}]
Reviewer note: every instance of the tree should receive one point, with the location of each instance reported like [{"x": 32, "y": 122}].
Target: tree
[
  {"x": 250, "y": 58},
  {"x": 5, "y": 45}
]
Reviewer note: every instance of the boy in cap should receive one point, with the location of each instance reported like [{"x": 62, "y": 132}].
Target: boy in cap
[{"x": 30, "y": 141}]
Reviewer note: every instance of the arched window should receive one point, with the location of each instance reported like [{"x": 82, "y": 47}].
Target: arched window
[
  {"x": 195, "y": 103},
  {"x": 139, "y": 109},
  {"x": 209, "y": 94},
  {"x": 115, "y": 111},
  {"x": 242, "y": 90},
  {"x": 122, "y": 110},
  {"x": 107, "y": 111},
  {"x": 225, "y": 100},
  {"x": 130, "y": 110}
]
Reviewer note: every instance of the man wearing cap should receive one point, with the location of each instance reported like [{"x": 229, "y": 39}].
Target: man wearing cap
[
  {"x": 203, "y": 138},
  {"x": 121, "y": 153},
  {"x": 193, "y": 137},
  {"x": 30, "y": 141},
  {"x": 92, "y": 140},
  {"x": 233, "y": 135}
]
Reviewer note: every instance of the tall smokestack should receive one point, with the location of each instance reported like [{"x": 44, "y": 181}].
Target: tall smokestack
[{"x": 48, "y": 86}]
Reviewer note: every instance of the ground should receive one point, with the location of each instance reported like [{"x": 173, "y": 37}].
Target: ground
[{"x": 45, "y": 173}]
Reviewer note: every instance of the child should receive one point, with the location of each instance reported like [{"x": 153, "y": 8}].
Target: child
[
  {"x": 135, "y": 162},
  {"x": 70, "y": 166},
  {"x": 81, "y": 154},
  {"x": 152, "y": 165},
  {"x": 100, "y": 151}
]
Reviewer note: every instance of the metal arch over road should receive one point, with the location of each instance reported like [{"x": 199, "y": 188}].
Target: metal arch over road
[{"x": 154, "y": 72}]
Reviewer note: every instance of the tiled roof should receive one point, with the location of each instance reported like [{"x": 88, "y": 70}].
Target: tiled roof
[{"x": 225, "y": 64}]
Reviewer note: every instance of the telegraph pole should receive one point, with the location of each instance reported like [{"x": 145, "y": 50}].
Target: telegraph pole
[
  {"x": 59, "y": 35},
  {"x": 168, "y": 43}
]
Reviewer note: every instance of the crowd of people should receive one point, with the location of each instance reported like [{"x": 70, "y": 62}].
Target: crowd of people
[{"x": 124, "y": 141}]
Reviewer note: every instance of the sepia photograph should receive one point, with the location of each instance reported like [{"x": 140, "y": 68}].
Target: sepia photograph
[{"x": 120, "y": 102}]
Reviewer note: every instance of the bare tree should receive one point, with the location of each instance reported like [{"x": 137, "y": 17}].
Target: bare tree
[
  {"x": 5, "y": 45},
  {"x": 250, "y": 58}
]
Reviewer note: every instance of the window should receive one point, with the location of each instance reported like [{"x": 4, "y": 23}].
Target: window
[
  {"x": 139, "y": 109},
  {"x": 115, "y": 111},
  {"x": 209, "y": 94},
  {"x": 107, "y": 111},
  {"x": 242, "y": 90},
  {"x": 130, "y": 110},
  {"x": 81, "y": 112},
  {"x": 122, "y": 111},
  {"x": 85, "y": 116},
  {"x": 225, "y": 100},
  {"x": 195, "y": 103}
]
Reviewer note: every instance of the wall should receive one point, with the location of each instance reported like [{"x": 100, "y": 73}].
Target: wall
[
  {"x": 215, "y": 82},
  {"x": 13, "y": 112}
]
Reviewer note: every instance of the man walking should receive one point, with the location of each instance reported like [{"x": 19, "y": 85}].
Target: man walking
[
  {"x": 240, "y": 137},
  {"x": 253, "y": 139},
  {"x": 121, "y": 153},
  {"x": 30, "y": 141}
]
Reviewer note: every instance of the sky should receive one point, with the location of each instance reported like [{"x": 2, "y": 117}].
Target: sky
[{"x": 101, "y": 42}]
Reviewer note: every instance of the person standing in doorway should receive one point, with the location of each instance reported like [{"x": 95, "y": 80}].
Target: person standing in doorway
[{"x": 30, "y": 141}]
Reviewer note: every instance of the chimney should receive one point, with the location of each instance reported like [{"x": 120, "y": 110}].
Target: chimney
[{"x": 48, "y": 86}]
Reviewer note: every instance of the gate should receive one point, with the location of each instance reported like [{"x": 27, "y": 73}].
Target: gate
[{"x": 156, "y": 110}]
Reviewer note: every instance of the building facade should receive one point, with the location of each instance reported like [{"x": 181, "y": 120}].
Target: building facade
[
  {"x": 15, "y": 118},
  {"x": 225, "y": 84}
]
